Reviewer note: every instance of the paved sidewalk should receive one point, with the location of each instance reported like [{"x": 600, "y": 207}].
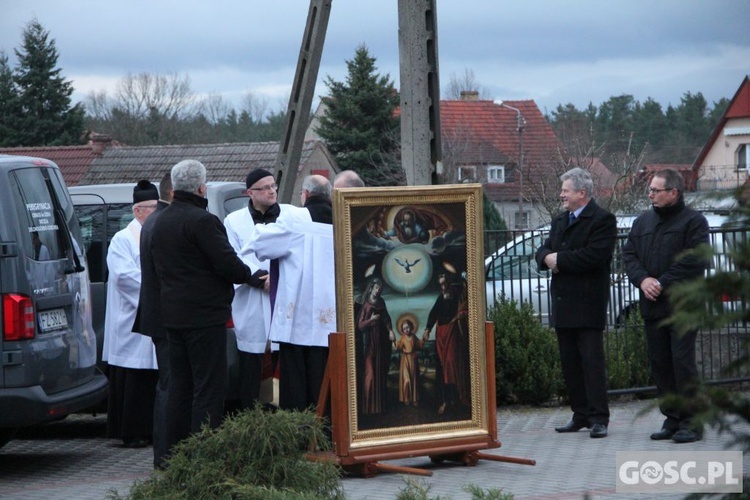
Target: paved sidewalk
[{"x": 569, "y": 466}]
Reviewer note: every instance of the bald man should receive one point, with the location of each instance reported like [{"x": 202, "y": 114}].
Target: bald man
[{"x": 347, "y": 178}]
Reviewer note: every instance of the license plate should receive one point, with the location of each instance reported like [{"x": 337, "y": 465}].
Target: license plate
[{"x": 52, "y": 320}]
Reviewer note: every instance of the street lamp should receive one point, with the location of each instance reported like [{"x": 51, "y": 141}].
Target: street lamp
[{"x": 521, "y": 124}]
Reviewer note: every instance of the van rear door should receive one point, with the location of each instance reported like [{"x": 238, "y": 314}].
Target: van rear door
[{"x": 60, "y": 351}]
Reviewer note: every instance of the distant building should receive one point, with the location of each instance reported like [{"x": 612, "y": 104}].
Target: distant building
[
  {"x": 93, "y": 164},
  {"x": 724, "y": 162},
  {"x": 482, "y": 143}
]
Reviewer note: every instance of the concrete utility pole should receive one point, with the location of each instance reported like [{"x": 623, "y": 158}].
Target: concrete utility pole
[
  {"x": 421, "y": 152},
  {"x": 300, "y": 100}
]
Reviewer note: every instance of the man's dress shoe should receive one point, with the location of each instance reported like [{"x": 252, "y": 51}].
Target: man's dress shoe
[
  {"x": 572, "y": 426},
  {"x": 663, "y": 434},
  {"x": 598, "y": 431}
]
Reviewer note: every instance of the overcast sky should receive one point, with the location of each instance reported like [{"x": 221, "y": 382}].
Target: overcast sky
[{"x": 551, "y": 51}]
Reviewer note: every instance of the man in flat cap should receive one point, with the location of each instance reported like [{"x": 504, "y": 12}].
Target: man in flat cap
[{"x": 131, "y": 357}]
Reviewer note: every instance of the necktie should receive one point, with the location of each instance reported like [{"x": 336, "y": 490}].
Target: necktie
[{"x": 571, "y": 218}]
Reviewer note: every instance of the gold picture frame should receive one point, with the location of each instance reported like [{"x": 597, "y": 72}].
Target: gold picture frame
[{"x": 410, "y": 375}]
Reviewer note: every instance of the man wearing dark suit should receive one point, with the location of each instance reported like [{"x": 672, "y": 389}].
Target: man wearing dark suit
[
  {"x": 148, "y": 321},
  {"x": 579, "y": 252}
]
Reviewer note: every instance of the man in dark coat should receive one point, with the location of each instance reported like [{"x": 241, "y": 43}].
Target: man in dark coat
[
  {"x": 653, "y": 261},
  {"x": 148, "y": 321},
  {"x": 196, "y": 267},
  {"x": 579, "y": 253}
]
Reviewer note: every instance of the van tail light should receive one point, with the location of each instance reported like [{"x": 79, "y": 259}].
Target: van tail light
[
  {"x": 230, "y": 323},
  {"x": 18, "y": 317}
]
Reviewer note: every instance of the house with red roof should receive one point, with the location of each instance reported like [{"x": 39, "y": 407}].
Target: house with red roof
[
  {"x": 724, "y": 162},
  {"x": 509, "y": 147}
]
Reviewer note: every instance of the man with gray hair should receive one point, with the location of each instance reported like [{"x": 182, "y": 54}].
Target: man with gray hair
[
  {"x": 579, "y": 251},
  {"x": 196, "y": 268}
]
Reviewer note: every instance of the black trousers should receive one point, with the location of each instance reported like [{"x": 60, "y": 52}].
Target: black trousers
[
  {"x": 130, "y": 405},
  {"x": 672, "y": 358},
  {"x": 197, "y": 380},
  {"x": 250, "y": 372},
  {"x": 161, "y": 443},
  {"x": 585, "y": 374},
  {"x": 301, "y": 371}
]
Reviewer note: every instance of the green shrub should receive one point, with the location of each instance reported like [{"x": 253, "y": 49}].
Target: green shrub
[
  {"x": 254, "y": 454},
  {"x": 626, "y": 353},
  {"x": 418, "y": 490},
  {"x": 527, "y": 363}
]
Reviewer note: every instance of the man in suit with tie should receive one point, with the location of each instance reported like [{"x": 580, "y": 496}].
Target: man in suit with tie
[{"x": 578, "y": 251}]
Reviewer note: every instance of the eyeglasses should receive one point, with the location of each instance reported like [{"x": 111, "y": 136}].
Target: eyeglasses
[
  {"x": 270, "y": 187},
  {"x": 149, "y": 206},
  {"x": 657, "y": 191}
]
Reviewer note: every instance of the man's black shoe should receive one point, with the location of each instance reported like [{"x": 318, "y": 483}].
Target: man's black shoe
[
  {"x": 598, "y": 431},
  {"x": 686, "y": 436},
  {"x": 572, "y": 426},
  {"x": 135, "y": 443},
  {"x": 663, "y": 434}
]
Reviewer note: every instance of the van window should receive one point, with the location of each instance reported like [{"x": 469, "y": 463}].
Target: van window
[
  {"x": 91, "y": 220},
  {"x": 236, "y": 203},
  {"x": 42, "y": 241}
]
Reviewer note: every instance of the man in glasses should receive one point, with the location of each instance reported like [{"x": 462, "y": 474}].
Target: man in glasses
[
  {"x": 252, "y": 304},
  {"x": 305, "y": 308},
  {"x": 131, "y": 357},
  {"x": 654, "y": 263}
]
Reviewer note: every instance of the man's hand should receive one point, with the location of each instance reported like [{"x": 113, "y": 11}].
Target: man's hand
[
  {"x": 651, "y": 288},
  {"x": 266, "y": 282},
  {"x": 551, "y": 261}
]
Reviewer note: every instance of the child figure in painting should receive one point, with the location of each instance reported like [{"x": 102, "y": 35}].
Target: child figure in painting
[{"x": 409, "y": 345}]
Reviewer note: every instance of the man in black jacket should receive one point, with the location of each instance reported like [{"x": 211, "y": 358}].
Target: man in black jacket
[
  {"x": 653, "y": 261},
  {"x": 196, "y": 267},
  {"x": 579, "y": 252},
  {"x": 148, "y": 321}
]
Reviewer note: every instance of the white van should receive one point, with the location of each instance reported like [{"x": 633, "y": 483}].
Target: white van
[
  {"x": 105, "y": 209},
  {"x": 47, "y": 343}
]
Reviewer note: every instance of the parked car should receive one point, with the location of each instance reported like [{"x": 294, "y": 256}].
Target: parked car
[
  {"x": 105, "y": 209},
  {"x": 48, "y": 349},
  {"x": 512, "y": 271}
]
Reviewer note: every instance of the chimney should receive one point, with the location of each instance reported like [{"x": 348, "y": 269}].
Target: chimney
[
  {"x": 99, "y": 142},
  {"x": 469, "y": 95}
]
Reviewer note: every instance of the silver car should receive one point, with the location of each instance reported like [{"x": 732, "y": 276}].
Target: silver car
[{"x": 512, "y": 271}]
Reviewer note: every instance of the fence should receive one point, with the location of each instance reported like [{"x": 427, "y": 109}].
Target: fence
[{"x": 511, "y": 272}]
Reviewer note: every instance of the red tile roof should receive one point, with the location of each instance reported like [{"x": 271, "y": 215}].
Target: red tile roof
[{"x": 491, "y": 132}]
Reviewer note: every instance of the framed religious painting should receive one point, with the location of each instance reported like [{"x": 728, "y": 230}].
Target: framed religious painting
[{"x": 411, "y": 375}]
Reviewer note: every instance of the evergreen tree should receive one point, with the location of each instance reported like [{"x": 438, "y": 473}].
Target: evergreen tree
[
  {"x": 8, "y": 102},
  {"x": 650, "y": 125},
  {"x": 492, "y": 219},
  {"x": 46, "y": 116},
  {"x": 359, "y": 126}
]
